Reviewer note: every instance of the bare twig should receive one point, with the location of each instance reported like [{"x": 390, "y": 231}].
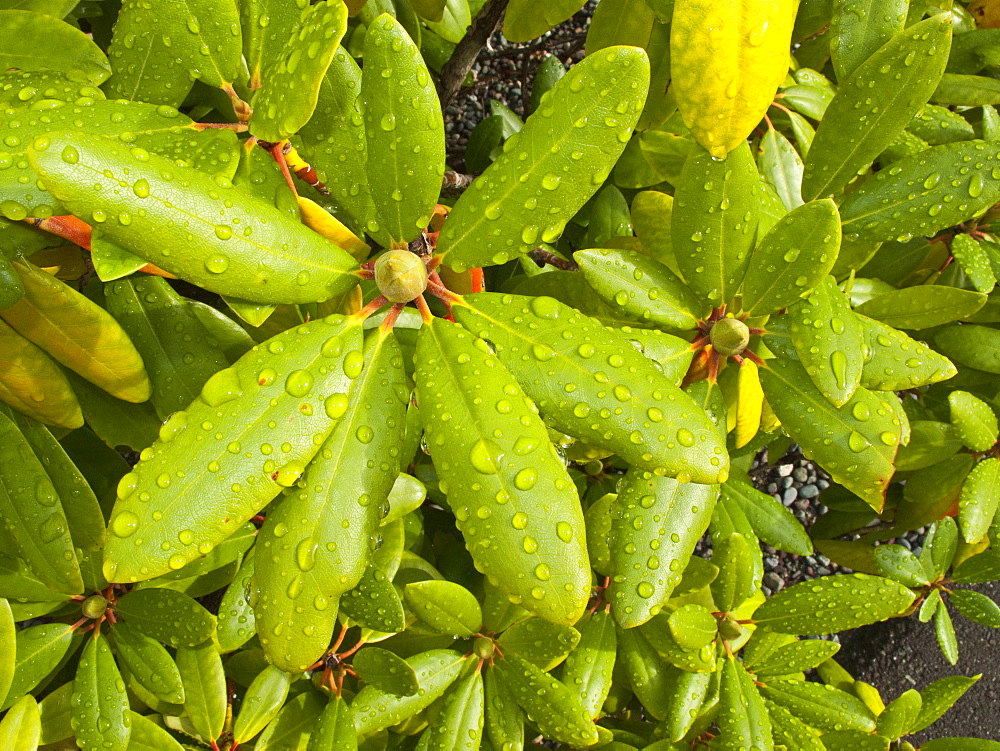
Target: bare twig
[
  {"x": 455, "y": 70},
  {"x": 542, "y": 257},
  {"x": 455, "y": 183}
]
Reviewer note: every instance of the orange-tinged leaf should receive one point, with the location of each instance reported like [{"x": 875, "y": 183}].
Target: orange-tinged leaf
[
  {"x": 79, "y": 334},
  {"x": 33, "y": 385}
]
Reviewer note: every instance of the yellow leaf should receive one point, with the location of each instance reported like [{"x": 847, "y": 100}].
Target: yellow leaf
[
  {"x": 78, "y": 333},
  {"x": 727, "y": 59},
  {"x": 749, "y": 403},
  {"x": 316, "y": 218},
  {"x": 33, "y": 385},
  {"x": 769, "y": 421},
  {"x": 986, "y": 13}
]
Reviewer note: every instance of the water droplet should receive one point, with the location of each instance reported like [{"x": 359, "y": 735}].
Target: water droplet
[
  {"x": 125, "y": 524},
  {"x": 857, "y": 442},
  {"x": 299, "y": 383},
  {"x": 685, "y": 437},
  {"x": 526, "y": 478},
  {"x": 519, "y": 520}
]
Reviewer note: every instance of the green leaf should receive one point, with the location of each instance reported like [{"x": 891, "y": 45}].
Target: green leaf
[
  {"x": 673, "y": 354},
  {"x": 967, "y": 91},
  {"x": 714, "y": 221},
  {"x": 549, "y": 703},
  {"x": 407, "y": 494},
  {"x": 871, "y": 211},
  {"x": 526, "y": 20},
  {"x": 405, "y": 133},
  {"x": 101, "y": 716},
  {"x": 968, "y": 344},
  {"x": 790, "y": 731},
  {"x": 829, "y": 341},
  {"x": 974, "y": 261},
  {"x": 20, "y": 728},
  {"x": 736, "y": 580},
  {"x": 743, "y": 720},
  {"x": 793, "y": 258},
  {"x": 872, "y": 107},
  {"x": 939, "y": 697},
  {"x": 39, "y": 650},
  {"x": 771, "y": 521},
  {"x": 204, "y": 35},
  {"x": 548, "y": 74},
  {"x": 858, "y": 31},
  {"x": 899, "y": 564},
  {"x": 116, "y": 422},
  {"x": 290, "y": 86},
  {"x": 18, "y": 183},
  {"x": 36, "y": 42},
  {"x": 148, "y": 662},
  {"x": 976, "y": 607},
  {"x": 896, "y": 362},
  {"x": 929, "y": 606},
  {"x": 780, "y": 164},
  {"x": 299, "y": 378},
  {"x": 454, "y": 21},
  {"x": 833, "y": 603},
  {"x": 504, "y": 719},
  {"x": 374, "y": 603},
  {"x": 385, "y": 671},
  {"x": 939, "y": 548},
  {"x": 657, "y": 632},
  {"x": 204, "y": 688},
  {"x": 641, "y": 287},
  {"x": 693, "y": 626},
  {"x": 930, "y": 442},
  {"x": 261, "y": 702},
  {"x": 8, "y": 648},
  {"x": 793, "y": 658},
  {"x": 268, "y": 26},
  {"x": 551, "y": 167},
  {"x": 232, "y": 337},
  {"x": 188, "y": 625},
  {"x": 292, "y": 727},
  {"x": 461, "y": 717},
  {"x": 574, "y": 380},
  {"x": 83, "y": 513},
  {"x": 855, "y": 443},
  {"x": 899, "y": 715},
  {"x": 447, "y": 607},
  {"x": 176, "y": 349},
  {"x": 334, "y": 730},
  {"x": 820, "y": 705},
  {"x": 973, "y": 420},
  {"x": 655, "y": 522},
  {"x": 146, "y": 735},
  {"x": 334, "y": 142},
  {"x": 853, "y": 740},
  {"x": 236, "y": 621},
  {"x": 345, "y": 487},
  {"x": 945, "y": 633},
  {"x": 539, "y": 642},
  {"x": 517, "y": 508},
  {"x": 589, "y": 666},
  {"x": 253, "y": 262},
  {"x": 375, "y": 709},
  {"x": 649, "y": 677},
  {"x": 33, "y": 515},
  {"x": 20, "y": 89},
  {"x": 977, "y": 504},
  {"x": 967, "y": 744}
]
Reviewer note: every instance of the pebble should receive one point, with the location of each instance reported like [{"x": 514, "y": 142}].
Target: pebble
[
  {"x": 808, "y": 491},
  {"x": 773, "y": 582},
  {"x": 785, "y": 470},
  {"x": 789, "y": 496},
  {"x": 801, "y": 474}
]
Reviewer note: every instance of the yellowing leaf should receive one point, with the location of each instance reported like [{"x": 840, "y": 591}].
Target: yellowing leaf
[
  {"x": 79, "y": 334},
  {"x": 727, "y": 60},
  {"x": 750, "y": 405},
  {"x": 319, "y": 220}
]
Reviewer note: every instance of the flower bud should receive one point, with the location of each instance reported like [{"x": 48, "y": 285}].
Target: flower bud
[
  {"x": 729, "y": 336},
  {"x": 400, "y": 275},
  {"x": 94, "y": 607}
]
